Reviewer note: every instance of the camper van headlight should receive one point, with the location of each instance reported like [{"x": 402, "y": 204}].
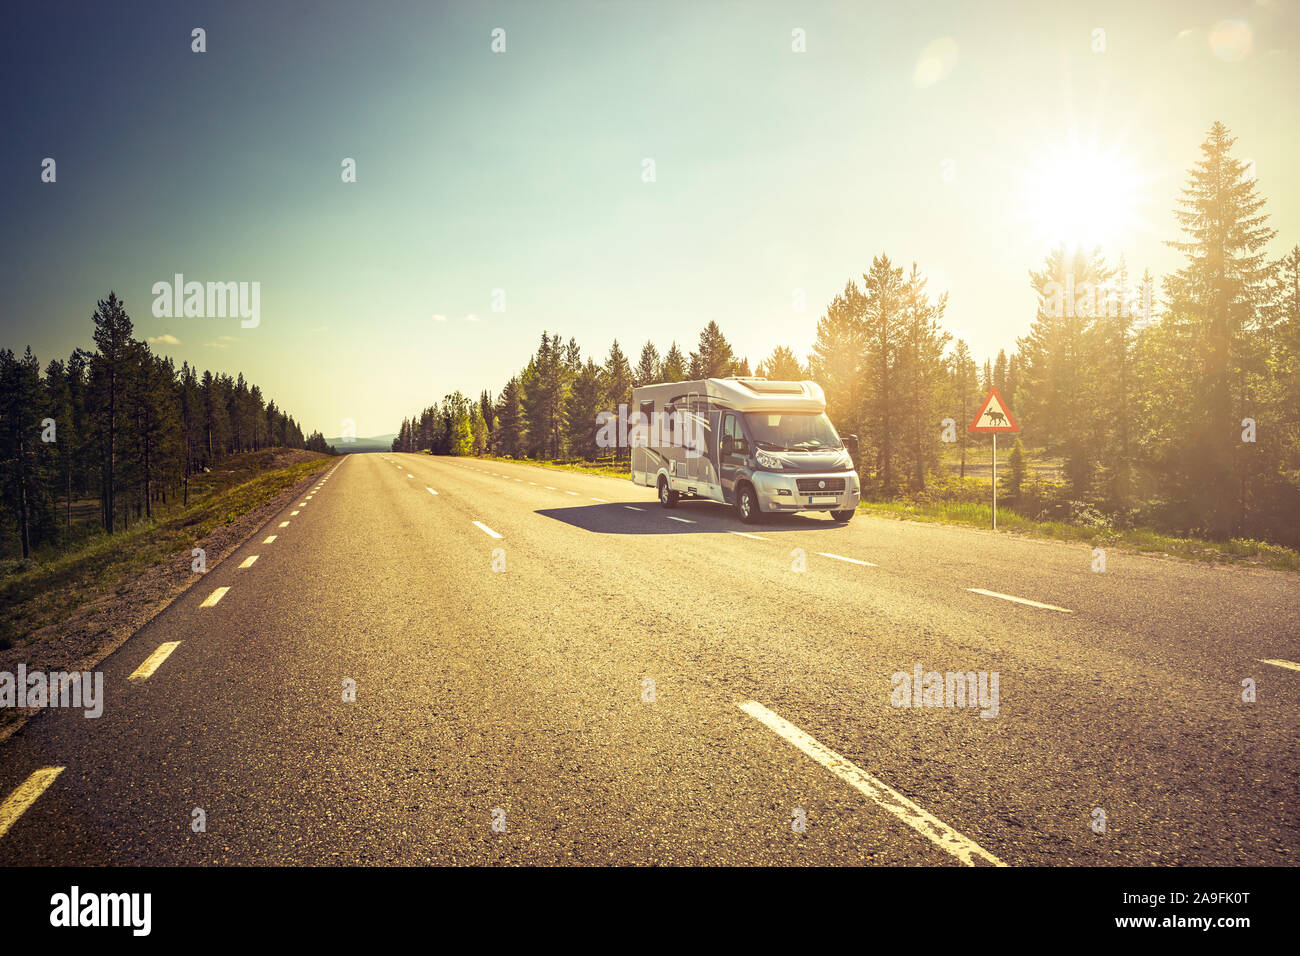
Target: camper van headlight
[{"x": 770, "y": 462}]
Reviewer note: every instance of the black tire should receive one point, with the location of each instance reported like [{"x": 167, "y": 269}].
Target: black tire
[
  {"x": 843, "y": 516},
  {"x": 667, "y": 497},
  {"x": 747, "y": 509}
]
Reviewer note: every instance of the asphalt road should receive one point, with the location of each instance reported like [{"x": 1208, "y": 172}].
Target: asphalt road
[{"x": 550, "y": 669}]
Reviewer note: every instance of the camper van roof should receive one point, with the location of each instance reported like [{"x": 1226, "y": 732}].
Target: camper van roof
[{"x": 750, "y": 394}]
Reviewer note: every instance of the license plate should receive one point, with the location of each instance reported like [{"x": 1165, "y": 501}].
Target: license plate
[{"x": 822, "y": 500}]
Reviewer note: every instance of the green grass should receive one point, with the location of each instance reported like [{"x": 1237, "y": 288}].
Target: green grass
[
  {"x": 47, "y": 588},
  {"x": 980, "y": 515},
  {"x": 609, "y": 468}
]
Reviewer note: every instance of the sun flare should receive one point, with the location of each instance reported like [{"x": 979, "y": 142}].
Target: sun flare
[{"x": 1083, "y": 196}]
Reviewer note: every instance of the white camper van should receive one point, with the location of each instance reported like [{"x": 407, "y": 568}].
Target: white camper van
[{"x": 757, "y": 445}]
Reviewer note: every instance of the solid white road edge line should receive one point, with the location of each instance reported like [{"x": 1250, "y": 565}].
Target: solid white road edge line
[{"x": 879, "y": 793}]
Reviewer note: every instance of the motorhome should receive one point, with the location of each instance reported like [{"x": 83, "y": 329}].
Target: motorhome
[{"x": 760, "y": 446}]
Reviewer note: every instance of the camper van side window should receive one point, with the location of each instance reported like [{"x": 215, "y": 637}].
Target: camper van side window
[{"x": 647, "y": 422}]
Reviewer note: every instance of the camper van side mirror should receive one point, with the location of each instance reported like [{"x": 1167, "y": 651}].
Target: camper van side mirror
[{"x": 851, "y": 445}]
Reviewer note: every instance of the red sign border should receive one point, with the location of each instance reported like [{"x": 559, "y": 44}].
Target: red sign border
[{"x": 975, "y": 427}]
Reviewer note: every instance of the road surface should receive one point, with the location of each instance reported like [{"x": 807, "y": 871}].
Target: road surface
[{"x": 550, "y": 668}]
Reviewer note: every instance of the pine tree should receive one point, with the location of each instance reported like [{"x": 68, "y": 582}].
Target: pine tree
[
  {"x": 882, "y": 319},
  {"x": 618, "y": 384},
  {"x": 782, "y": 366},
  {"x": 1060, "y": 355},
  {"x": 59, "y": 398},
  {"x": 964, "y": 380},
  {"x": 109, "y": 365},
  {"x": 510, "y": 421},
  {"x": 1220, "y": 300},
  {"x": 1018, "y": 469},
  {"x": 713, "y": 358},
  {"x": 921, "y": 377},
  {"x": 586, "y": 400},
  {"x": 837, "y": 361},
  {"x": 674, "y": 366},
  {"x": 647, "y": 367},
  {"x": 23, "y": 481}
]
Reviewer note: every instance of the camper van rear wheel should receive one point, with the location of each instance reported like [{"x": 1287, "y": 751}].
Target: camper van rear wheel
[
  {"x": 747, "y": 504},
  {"x": 842, "y": 515},
  {"x": 667, "y": 497}
]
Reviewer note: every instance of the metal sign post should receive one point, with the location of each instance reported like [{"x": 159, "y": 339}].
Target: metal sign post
[{"x": 994, "y": 418}]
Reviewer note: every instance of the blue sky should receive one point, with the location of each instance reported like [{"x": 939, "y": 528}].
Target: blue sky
[{"x": 522, "y": 171}]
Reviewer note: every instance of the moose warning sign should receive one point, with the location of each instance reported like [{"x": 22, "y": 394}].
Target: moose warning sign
[{"x": 994, "y": 416}]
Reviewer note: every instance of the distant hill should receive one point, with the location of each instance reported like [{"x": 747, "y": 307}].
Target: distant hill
[{"x": 374, "y": 443}]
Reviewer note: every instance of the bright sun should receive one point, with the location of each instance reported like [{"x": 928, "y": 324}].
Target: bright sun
[{"x": 1082, "y": 196}]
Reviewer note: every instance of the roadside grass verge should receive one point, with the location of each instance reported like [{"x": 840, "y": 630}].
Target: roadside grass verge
[
  {"x": 610, "y": 468},
  {"x": 1244, "y": 551},
  {"x": 980, "y": 515},
  {"x": 48, "y": 588}
]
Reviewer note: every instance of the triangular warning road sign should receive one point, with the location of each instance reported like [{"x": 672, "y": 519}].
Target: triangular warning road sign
[{"x": 994, "y": 416}]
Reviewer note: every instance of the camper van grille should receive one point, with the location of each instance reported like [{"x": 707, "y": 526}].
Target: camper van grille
[{"x": 819, "y": 484}]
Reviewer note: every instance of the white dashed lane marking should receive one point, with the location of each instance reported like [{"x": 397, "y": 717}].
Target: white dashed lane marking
[
  {"x": 745, "y": 534},
  {"x": 840, "y": 557},
  {"x": 284, "y": 524},
  {"x": 1291, "y": 665},
  {"x": 430, "y": 490},
  {"x": 682, "y": 520},
  {"x": 879, "y": 793},
  {"x": 154, "y": 661},
  {"x": 1020, "y": 600},
  {"x": 633, "y": 508},
  {"x": 248, "y": 561},
  {"x": 485, "y": 529}
]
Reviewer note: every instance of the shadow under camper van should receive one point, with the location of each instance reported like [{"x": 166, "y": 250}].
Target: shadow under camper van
[{"x": 757, "y": 445}]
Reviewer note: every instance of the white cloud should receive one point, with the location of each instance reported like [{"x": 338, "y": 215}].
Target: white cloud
[{"x": 165, "y": 339}]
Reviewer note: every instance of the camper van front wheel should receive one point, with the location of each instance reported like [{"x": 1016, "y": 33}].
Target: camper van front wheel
[
  {"x": 842, "y": 515},
  {"x": 667, "y": 497},
  {"x": 747, "y": 504}
]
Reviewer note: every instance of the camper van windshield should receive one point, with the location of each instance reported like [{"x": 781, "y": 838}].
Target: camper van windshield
[{"x": 792, "y": 431}]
